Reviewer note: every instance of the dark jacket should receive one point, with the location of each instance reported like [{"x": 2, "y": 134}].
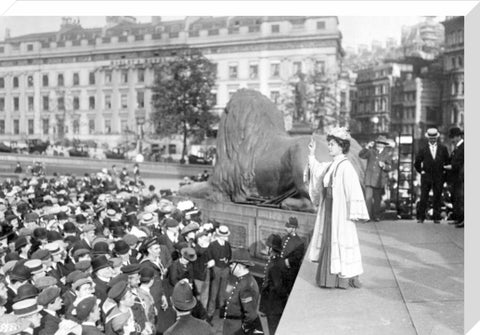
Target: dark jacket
[
  {"x": 293, "y": 250},
  {"x": 49, "y": 323},
  {"x": 242, "y": 298},
  {"x": 274, "y": 291},
  {"x": 187, "y": 325},
  {"x": 221, "y": 254},
  {"x": 91, "y": 330},
  {"x": 457, "y": 162},
  {"x": 432, "y": 169},
  {"x": 375, "y": 176}
]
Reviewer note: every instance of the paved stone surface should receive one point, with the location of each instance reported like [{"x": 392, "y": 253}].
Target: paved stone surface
[{"x": 413, "y": 284}]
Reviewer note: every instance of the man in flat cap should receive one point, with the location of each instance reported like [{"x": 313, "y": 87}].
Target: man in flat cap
[
  {"x": 379, "y": 163},
  {"x": 242, "y": 294},
  {"x": 429, "y": 162},
  {"x": 51, "y": 301},
  {"x": 121, "y": 318},
  {"x": 87, "y": 312},
  {"x": 183, "y": 302},
  {"x": 293, "y": 250},
  {"x": 456, "y": 173}
]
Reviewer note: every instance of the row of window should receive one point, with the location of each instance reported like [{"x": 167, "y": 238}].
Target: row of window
[
  {"x": 253, "y": 70},
  {"x": 124, "y": 76},
  {"x": 274, "y": 28},
  {"x": 75, "y": 127},
  {"x": 455, "y": 62},
  {"x": 454, "y": 37},
  {"x": 59, "y": 103}
]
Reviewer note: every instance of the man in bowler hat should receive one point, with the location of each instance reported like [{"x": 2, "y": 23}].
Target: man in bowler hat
[
  {"x": 429, "y": 162},
  {"x": 379, "y": 162}
]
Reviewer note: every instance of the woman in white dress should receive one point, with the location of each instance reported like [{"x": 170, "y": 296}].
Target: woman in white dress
[{"x": 335, "y": 188}]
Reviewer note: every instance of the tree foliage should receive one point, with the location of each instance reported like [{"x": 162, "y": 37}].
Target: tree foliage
[{"x": 182, "y": 96}]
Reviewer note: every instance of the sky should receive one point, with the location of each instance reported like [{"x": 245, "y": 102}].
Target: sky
[{"x": 355, "y": 29}]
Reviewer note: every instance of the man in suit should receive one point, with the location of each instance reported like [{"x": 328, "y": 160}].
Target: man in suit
[
  {"x": 293, "y": 250},
  {"x": 183, "y": 302},
  {"x": 429, "y": 162},
  {"x": 379, "y": 162},
  {"x": 456, "y": 171}
]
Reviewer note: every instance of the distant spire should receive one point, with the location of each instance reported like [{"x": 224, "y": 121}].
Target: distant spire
[{"x": 7, "y": 33}]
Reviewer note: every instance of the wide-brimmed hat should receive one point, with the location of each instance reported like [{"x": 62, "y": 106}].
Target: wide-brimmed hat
[
  {"x": 182, "y": 296},
  {"x": 34, "y": 266},
  {"x": 455, "y": 131},
  {"x": 432, "y": 133},
  {"x": 223, "y": 231},
  {"x": 382, "y": 139},
  {"x": 242, "y": 256},
  {"x": 10, "y": 324},
  {"x": 147, "y": 219},
  {"x": 189, "y": 253},
  {"x": 26, "y": 307}
]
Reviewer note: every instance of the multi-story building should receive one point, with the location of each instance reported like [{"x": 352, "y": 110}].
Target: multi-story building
[
  {"x": 415, "y": 105},
  {"x": 372, "y": 113},
  {"x": 95, "y": 83},
  {"x": 454, "y": 87}
]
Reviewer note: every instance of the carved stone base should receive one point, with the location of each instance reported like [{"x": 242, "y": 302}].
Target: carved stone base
[{"x": 301, "y": 128}]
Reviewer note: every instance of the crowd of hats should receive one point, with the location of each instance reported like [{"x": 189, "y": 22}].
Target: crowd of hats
[{"x": 44, "y": 220}]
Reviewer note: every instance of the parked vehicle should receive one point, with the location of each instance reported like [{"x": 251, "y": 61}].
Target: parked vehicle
[
  {"x": 37, "y": 146},
  {"x": 78, "y": 151},
  {"x": 115, "y": 153}
]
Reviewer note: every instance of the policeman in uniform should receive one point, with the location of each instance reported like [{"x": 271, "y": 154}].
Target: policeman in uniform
[
  {"x": 273, "y": 293},
  {"x": 293, "y": 250},
  {"x": 242, "y": 295}
]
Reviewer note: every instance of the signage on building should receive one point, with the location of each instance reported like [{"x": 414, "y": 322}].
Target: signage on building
[{"x": 137, "y": 61}]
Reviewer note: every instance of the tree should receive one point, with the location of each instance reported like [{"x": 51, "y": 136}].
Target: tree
[{"x": 182, "y": 96}]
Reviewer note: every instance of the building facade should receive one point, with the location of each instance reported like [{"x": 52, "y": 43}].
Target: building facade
[
  {"x": 94, "y": 84},
  {"x": 372, "y": 112},
  {"x": 453, "y": 70}
]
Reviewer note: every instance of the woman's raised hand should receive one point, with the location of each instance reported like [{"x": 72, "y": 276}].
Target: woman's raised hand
[{"x": 311, "y": 146}]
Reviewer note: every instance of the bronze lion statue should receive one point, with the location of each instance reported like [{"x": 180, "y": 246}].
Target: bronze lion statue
[{"x": 256, "y": 157}]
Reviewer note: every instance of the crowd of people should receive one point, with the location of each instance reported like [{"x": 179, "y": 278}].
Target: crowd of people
[{"x": 102, "y": 254}]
